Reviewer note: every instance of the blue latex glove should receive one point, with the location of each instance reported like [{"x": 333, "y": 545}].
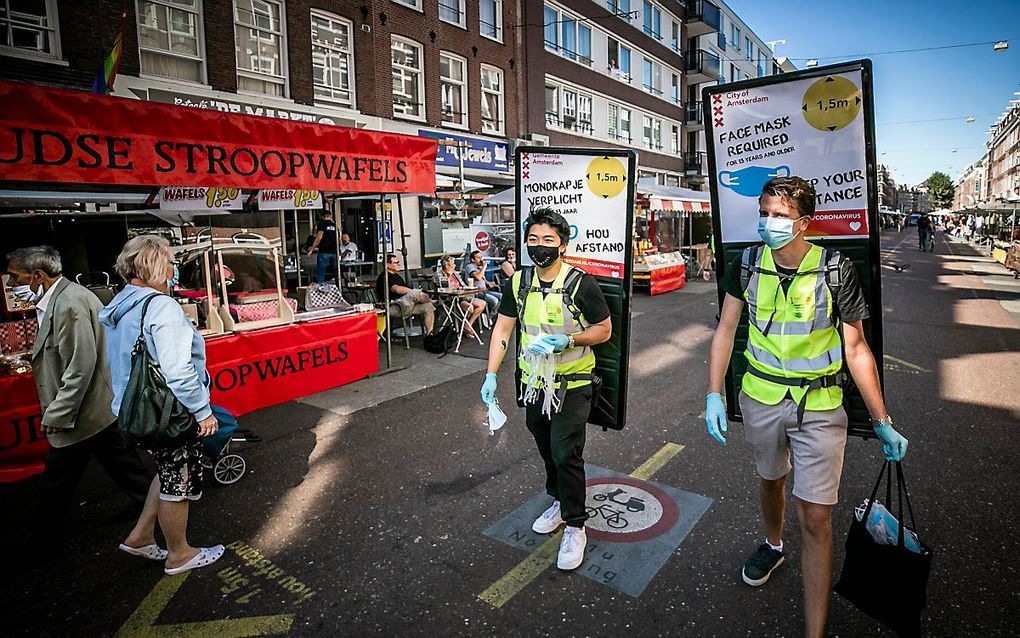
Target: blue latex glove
[
  {"x": 715, "y": 417},
  {"x": 489, "y": 388},
  {"x": 548, "y": 344},
  {"x": 894, "y": 446}
]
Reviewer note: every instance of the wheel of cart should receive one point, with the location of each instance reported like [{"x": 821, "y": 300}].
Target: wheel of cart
[{"x": 229, "y": 468}]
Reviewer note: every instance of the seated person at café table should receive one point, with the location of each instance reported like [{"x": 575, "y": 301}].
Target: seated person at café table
[
  {"x": 474, "y": 307},
  {"x": 474, "y": 271},
  {"x": 348, "y": 249},
  {"x": 411, "y": 301}
]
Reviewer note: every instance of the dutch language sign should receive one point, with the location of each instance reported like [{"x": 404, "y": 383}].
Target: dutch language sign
[
  {"x": 591, "y": 192},
  {"x": 178, "y": 198},
  {"x": 57, "y": 135},
  {"x": 288, "y": 199},
  {"x": 812, "y": 128}
]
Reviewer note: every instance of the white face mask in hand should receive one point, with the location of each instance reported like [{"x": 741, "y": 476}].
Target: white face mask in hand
[{"x": 496, "y": 417}]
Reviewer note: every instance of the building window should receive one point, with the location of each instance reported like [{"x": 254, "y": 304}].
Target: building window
[
  {"x": 492, "y": 100},
  {"x": 674, "y": 36},
  {"x": 453, "y": 78},
  {"x": 619, "y": 7},
  {"x": 568, "y": 109},
  {"x": 657, "y": 134},
  {"x": 674, "y": 139},
  {"x": 619, "y": 60},
  {"x": 30, "y": 27},
  {"x": 652, "y": 20},
  {"x": 651, "y": 77},
  {"x": 646, "y": 137},
  {"x": 452, "y": 11},
  {"x": 408, "y": 79},
  {"x": 552, "y": 105},
  {"x": 170, "y": 39},
  {"x": 332, "y": 58},
  {"x": 490, "y": 19},
  {"x": 735, "y": 36},
  {"x": 572, "y": 39},
  {"x": 584, "y": 113},
  {"x": 734, "y": 73},
  {"x": 721, "y": 35},
  {"x": 625, "y": 119},
  {"x": 748, "y": 49},
  {"x": 414, "y": 4},
  {"x": 260, "y": 46},
  {"x": 674, "y": 88}
]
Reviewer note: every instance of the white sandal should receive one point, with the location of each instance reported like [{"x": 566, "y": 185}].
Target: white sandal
[
  {"x": 205, "y": 556},
  {"x": 152, "y": 552}
]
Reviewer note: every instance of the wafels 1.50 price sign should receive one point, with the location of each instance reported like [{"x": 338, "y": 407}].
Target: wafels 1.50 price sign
[
  {"x": 594, "y": 192},
  {"x": 811, "y": 127}
]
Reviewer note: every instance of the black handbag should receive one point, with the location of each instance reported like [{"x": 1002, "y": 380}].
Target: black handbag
[
  {"x": 151, "y": 416},
  {"x": 887, "y": 582}
]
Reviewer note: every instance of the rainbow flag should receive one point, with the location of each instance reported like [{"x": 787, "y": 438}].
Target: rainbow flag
[{"x": 103, "y": 84}]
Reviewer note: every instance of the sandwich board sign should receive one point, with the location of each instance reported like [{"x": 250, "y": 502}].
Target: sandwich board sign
[
  {"x": 817, "y": 124},
  {"x": 594, "y": 190}
]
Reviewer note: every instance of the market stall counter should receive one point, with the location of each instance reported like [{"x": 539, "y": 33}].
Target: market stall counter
[{"x": 661, "y": 272}]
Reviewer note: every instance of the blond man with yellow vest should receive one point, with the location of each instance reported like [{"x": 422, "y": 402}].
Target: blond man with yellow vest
[
  {"x": 805, "y": 313},
  {"x": 561, "y": 313}
]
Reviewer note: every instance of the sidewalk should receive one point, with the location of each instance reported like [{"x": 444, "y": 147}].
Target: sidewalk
[{"x": 997, "y": 279}]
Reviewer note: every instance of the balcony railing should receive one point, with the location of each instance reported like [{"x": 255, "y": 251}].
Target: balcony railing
[
  {"x": 694, "y": 161},
  {"x": 701, "y": 66},
  {"x": 702, "y": 17},
  {"x": 692, "y": 114}
]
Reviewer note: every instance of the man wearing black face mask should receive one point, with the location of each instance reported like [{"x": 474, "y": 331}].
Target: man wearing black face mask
[{"x": 562, "y": 314}]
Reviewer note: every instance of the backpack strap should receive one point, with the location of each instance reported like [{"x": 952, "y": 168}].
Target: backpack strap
[
  {"x": 748, "y": 262},
  {"x": 527, "y": 273},
  {"x": 570, "y": 286},
  {"x": 833, "y": 278}
]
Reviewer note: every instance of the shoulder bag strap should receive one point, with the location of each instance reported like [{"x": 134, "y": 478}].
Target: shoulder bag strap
[
  {"x": 523, "y": 289},
  {"x": 570, "y": 286}
]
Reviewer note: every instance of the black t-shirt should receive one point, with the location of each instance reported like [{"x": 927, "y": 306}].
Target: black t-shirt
[
  {"x": 380, "y": 287},
  {"x": 923, "y": 223},
  {"x": 328, "y": 242},
  {"x": 850, "y": 303},
  {"x": 589, "y": 300}
]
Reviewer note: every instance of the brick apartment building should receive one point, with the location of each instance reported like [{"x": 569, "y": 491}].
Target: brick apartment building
[{"x": 609, "y": 73}]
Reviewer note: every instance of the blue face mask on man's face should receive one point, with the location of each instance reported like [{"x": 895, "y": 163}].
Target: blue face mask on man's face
[{"x": 776, "y": 232}]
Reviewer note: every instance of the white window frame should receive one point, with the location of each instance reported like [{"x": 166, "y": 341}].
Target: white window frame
[
  {"x": 560, "y": 23},
  {"x": 461, "y": 13},
  {"x": 735, "y": 36},
  {"x": 615, "y": 130},
  {"x": 620, "y": 7},
  {"x": 625, "y": 75},
  {"x": 350, "y": 62},
  {"x": 413, "y": 4},
  {"x": 650, "y": 12},
  {"x": 282, "y": 79},
  {"x": 674, "y": 139},
  {"x": 199, "y": 34},
  {"x": 51, "y": 31},
  {"x": 571, "y": 104},
  {"x": 498, "y": 27},
  {"x": 748, "y": 49},
  {"x": 501, "y": 98},
  {"x": 463, "y": 83},
  {"x": 420, "y": 73}
]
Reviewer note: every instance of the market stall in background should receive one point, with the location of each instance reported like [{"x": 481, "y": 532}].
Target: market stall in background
[
  {"x": 672, "y": 230},
  {"x": 85, "y": 173}
]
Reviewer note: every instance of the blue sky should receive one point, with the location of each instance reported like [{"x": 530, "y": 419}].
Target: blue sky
[{"x": 948, "y": 83}]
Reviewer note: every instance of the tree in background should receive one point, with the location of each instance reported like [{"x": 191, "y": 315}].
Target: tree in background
[{"x": 940, "y": 190}]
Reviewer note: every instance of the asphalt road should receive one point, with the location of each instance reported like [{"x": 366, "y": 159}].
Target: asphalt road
[{"x": 371, "y": 524}]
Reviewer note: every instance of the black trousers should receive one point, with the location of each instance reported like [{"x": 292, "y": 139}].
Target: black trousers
[
  {"x": 65, "y": 467},
  {"x": 560, "y": 441}
]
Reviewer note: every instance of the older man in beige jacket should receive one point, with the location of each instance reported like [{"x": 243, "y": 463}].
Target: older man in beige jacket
[{"x": 73, "y": 380}]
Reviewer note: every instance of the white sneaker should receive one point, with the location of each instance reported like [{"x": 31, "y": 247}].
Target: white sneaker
[
  {"x": 549, "y": 520},
  {"x": 572, "y": 548}
]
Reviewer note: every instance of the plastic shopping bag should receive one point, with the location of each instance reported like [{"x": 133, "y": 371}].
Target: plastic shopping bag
[
  {"x": 496, "y": 417},
  {"x": 884, "y": 527}
]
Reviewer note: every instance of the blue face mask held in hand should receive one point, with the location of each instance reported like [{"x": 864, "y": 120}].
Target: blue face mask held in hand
[{"x": 776, "y": 232}]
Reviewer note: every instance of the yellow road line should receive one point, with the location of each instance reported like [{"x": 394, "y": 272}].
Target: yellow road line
[
  {"x": 141, "y": 624},
  {"x": 889, "y": 357},
  {"x": 501, "y": 591}
]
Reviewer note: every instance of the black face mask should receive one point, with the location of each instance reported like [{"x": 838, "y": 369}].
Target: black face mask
[{"x": 544, "y": 256}]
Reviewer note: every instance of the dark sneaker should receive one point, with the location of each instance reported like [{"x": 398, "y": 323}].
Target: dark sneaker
[{"x": 761, "y": 564}]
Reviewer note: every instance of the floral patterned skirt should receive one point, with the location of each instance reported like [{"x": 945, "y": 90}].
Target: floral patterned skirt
[{"x": 180, "y": 471}]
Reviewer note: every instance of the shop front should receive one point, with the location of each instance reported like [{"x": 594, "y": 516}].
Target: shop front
[
  {"x": 671, "y": 236},
  {"x": 85, "y": 173}
]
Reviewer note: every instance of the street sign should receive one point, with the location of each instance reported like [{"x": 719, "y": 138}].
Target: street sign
[
  {"x": 594, "y": 190},
  {"x": 817, "y": 124}
]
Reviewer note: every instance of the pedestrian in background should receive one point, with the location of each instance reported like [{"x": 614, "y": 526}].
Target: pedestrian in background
[
  {"x": 146, "y": 264},
  {"x": 791, "y": 398},
  {"x": 72, "y": 378},
  {"x": 325, "y": 243}
]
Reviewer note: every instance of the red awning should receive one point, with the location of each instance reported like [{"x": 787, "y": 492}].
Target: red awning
[
  {"x": 63, "y": 136},
  {"x": 668, "y": 203}
]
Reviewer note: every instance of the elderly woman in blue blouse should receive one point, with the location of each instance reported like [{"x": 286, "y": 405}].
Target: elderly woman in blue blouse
[{"x": 146, "y": 264}]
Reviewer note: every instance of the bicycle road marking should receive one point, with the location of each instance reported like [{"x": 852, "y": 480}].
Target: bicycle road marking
[{"x": 511, "y": 583}]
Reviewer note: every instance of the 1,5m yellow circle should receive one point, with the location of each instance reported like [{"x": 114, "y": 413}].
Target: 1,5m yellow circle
[
  {"x": 606, "y": 176},
  {"x": 831, "y": 103}
]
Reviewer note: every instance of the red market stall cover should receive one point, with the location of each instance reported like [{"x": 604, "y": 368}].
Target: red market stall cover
[
  {"x": 59, "y": 135},
  {"x": 23, "y": 446}
]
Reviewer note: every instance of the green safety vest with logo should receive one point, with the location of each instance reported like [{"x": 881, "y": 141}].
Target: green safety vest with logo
[
  {"x": 793, "y": 342},
  {"x": 552, "y": 311}
]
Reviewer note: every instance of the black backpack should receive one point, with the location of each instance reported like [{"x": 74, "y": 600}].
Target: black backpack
[{"x": 439, "y": 340}]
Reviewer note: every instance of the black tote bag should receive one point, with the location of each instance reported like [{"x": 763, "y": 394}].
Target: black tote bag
[
  {"x": 150, "y": 415},
  {"x": 887, "y": 582}
]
